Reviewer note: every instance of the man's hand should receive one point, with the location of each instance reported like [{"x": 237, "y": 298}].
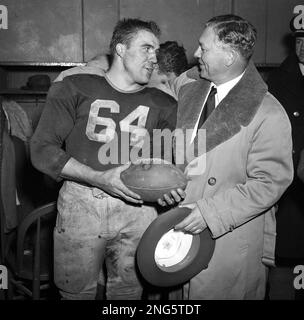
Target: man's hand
[
  {"x": 110, "y": 182},
  {"x": 174, "y": 197},
  {"x": 193, "y": 223}
]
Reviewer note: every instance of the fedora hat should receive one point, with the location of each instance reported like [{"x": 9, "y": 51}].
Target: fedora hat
[
  {"x": 166, "y": 257},
  {"x": 38, "y": 82}
]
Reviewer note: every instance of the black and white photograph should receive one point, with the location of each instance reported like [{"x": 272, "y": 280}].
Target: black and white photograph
[{"x": 151, "y": 157}]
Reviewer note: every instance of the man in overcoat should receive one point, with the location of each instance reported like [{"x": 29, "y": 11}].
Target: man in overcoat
[{"x": 246, "y": 166}]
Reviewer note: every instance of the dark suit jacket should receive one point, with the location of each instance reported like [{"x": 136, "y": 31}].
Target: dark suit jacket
[{"x": 287, "y": 84}]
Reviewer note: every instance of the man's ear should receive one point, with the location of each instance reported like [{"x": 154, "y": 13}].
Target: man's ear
[
  {"x": 231, "y": 56},
  {"x": 120, "y": 49}
]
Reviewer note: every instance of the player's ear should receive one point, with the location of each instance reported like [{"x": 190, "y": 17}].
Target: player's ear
[{"x": 120, "y": 49}]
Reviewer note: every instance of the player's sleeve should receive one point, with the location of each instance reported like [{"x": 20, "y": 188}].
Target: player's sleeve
[{"x": 56, "y": 122}]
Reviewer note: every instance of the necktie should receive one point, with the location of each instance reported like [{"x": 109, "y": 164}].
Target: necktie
[{"x": 208, "y": 108}]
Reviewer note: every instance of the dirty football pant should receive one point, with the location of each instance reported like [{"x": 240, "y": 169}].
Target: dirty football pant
[{"x": 93, "y": 227}]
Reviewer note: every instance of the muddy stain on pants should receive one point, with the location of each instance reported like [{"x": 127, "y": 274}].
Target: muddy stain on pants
[{"x": 92, "y": 228}]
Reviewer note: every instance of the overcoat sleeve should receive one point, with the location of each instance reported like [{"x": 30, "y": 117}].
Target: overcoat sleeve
[{"x": 269, "y": 172}]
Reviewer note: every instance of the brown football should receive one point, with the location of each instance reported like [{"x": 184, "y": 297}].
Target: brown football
[{"x": 151, "y": 180}]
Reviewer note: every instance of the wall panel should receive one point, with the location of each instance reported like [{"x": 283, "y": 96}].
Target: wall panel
[
  {"x": 179, "y": 20},
  {"x": 42, "y": 31},
  {"x": 67, "y": 31},
  {"x": 100, "y": 17}
]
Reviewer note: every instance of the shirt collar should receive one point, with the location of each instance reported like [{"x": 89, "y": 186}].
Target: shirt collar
[{"x": 224, "y": 88}]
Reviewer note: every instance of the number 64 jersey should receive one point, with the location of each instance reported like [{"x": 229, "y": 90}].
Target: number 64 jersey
[{"x": 88, "y": 118}]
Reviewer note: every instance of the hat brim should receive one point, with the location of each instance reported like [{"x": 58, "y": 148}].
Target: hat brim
[{"x": 196, "y": 260}]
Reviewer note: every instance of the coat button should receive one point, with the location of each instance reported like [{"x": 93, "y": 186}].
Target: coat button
[
  {"x": 212, "y": 181},
  {"x": 296, "y": 113}
]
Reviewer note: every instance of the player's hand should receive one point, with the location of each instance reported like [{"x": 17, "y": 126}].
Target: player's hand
[
  {"x": 174, "y": 197},
  {"x": 193, "y": 223},
  {"x": 110, "y": 182}
]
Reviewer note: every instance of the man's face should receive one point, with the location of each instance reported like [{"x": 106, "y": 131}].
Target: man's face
[
  {"x": 211, "y": 56},
  {"x": 140, "y": 57},
  {"x": 300, "y": 48}
]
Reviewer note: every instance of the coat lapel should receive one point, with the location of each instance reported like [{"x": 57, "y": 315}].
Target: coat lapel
[
  {"x": 193, "y": 101},
  {"x": 235, "y": 111}
]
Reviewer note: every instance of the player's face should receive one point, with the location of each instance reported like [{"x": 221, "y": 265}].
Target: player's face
[
  {"x": 140, "y": 57},
  {"x": 211, "y": 56},
  {"x": 300, "y": 48}
]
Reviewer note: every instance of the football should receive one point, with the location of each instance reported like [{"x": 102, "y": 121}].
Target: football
[{"x": 151, "y": 179}]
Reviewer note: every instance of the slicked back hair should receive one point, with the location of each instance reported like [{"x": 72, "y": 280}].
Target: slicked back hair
[
  {"x": 126, "y": 30},
  {"x": 236, "y": 32}
]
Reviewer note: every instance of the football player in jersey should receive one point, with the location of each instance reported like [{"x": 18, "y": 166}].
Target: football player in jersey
[{"x": 79, "y": 139}]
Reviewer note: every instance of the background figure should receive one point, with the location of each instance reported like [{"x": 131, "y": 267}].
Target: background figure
[
  {"x": 171, "y": 62},
  {"x": 286, "y": 83},
  {"x": 247, "y": 162}
]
